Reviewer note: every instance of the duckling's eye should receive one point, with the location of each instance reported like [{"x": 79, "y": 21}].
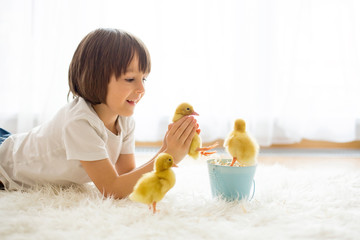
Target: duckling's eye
[
  {"x": 188, "y": 109},
  {"x": 169, "y": 159}
]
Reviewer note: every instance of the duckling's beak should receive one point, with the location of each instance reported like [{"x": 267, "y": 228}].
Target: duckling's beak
[
  {"x": 195, "y": 113},
  {"x": 174, "y": 165}
]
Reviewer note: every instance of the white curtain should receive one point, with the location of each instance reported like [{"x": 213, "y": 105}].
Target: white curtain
[{"x": 290, "y": 68}]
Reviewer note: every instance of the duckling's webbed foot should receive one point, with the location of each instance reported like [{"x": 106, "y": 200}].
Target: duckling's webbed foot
[{"x": 203, "y": 150}]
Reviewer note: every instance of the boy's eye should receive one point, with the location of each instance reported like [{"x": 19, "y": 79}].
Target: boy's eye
[{"x": 129, "y": 79}]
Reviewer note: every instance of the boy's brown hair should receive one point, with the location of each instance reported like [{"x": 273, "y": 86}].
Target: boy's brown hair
[{"x": 100, "y": 54}]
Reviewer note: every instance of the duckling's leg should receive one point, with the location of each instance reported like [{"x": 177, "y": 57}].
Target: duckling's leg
[
  {"x": 154, "y": 207},
  {"x": 233, "y": 161},
  {"x": 203, "y": 149},
  {"x": 207, "y": 153}
]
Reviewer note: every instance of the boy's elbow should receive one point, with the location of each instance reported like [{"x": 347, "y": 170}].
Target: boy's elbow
[{"x": 110, "y": 192}]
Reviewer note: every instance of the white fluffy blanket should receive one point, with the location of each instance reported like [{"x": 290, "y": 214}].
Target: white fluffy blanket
[{"x": 313, "y": 202}]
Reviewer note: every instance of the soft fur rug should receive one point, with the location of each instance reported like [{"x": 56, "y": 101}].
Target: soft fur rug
[{"x": 310, "y": 202}]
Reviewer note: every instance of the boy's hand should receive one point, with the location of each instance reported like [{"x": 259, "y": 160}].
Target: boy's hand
[{"x": 179, "y": 136}]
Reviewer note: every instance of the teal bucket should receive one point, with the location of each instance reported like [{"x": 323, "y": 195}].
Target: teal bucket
[{"x": 231, "y": 183}]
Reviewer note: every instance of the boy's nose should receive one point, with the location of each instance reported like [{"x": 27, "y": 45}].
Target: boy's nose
[{"x": 140, "y": 88}]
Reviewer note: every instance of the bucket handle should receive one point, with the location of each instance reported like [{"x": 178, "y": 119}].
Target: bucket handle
[{"x": 253, "y": 190}]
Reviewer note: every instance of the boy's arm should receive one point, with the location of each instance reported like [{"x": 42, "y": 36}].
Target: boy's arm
[
  {"x": 125, "y": 163},
  {"x": 109, "y": 182}
]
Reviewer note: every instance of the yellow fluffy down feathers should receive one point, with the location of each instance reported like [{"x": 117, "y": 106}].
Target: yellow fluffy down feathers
[
  {"x": 153, "y": 186},
  {"x": 241, "y": 146}
]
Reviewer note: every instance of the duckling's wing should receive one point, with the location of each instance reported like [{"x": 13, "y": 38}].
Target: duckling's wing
[
  {"x": 227, "y": 140},
  {"x": 166, "y": 181},
  {"x": 195, "y": 144},
  {"x": 243, "y": 147},
  {"x": 144, "y": 188}
]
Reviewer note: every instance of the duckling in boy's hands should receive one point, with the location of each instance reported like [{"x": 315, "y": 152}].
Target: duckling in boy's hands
[
  {"x": 196, "y": 148},
  {"x": 241, "y": 146},
  {"x": 153, "y": 186}
]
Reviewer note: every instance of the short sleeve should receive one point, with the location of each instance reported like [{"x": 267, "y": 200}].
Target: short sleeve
[
  {"x": 127, "y": 124},
  {"x": 83, "y": 141}
]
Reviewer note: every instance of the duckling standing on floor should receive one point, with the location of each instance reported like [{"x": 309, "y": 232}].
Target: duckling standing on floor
[
  {"x": 196, "y": 148},
  {"x": 153, "y": 186},
  {"x": 241, "y": 146}
]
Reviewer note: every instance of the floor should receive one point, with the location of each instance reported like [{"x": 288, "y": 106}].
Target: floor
[
  {"x": 292, "y": 158},
  {"x": 302, "y": 157}
]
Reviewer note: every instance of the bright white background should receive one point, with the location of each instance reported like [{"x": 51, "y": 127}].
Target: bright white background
[{"x": 290, "y": 68}]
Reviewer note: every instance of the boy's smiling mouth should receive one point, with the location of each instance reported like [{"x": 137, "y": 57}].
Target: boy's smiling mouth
[{"x": 132, "y": 102}]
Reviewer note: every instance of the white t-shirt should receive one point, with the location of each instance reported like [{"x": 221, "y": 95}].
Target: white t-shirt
[{"x": 51, "y": 152}]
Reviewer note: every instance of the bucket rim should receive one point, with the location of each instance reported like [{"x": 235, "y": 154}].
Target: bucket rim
[{"x": 224, "y": 166}]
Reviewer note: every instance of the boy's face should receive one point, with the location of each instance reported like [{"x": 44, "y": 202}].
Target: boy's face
[{"x": 126, "y": 91}]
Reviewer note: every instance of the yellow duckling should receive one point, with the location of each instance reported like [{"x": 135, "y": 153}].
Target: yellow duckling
[
  {"x": 241, "y": 146},
  {"x": 153, "y": 186},
  {"x": 185, "y": 109}
]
